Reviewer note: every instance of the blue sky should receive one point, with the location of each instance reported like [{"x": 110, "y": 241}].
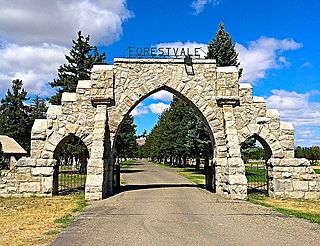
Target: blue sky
[{"x": 277, "y": 41}]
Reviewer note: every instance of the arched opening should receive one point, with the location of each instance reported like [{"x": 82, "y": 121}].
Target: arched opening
[
  {"x": 255, "y": 153},
  {"x": 71, "y": 169},
  {"x": 189, "y": 136}
]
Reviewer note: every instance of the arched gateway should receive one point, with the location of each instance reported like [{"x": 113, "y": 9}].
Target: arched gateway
[{"x": 95, "y": 112}]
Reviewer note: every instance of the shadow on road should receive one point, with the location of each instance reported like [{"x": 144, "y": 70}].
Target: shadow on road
[
  {"x": 131, "y": 171},
  {"x": 157, "y": 186}
]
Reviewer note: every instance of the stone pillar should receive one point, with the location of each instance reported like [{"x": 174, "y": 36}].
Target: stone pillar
[
  {"x": 235, "y": 171},
  {"x": 95, "y": 171}
]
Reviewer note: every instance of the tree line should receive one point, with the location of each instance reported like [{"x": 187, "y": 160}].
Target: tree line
[
  {"x": 178, "y": 135},
  {"x": 311, "y": 153}
]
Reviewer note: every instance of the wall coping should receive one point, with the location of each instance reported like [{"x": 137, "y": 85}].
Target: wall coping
[{"x": 160, "y": 60}]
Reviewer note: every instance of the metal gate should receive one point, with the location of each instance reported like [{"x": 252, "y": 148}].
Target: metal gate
[
  {"x": 70, "y": 178},
  {"x": 257, "y": 177}
]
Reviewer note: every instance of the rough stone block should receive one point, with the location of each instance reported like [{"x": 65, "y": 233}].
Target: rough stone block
[
  {"x": 30, "y": 187},
  {"x": 42, "y": 171}
]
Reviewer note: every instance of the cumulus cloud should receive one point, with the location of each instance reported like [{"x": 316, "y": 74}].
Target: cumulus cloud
[
  {"x": 199, "y": 5},
  {"x": 262, "y": 55},
  {"x": 162, "y": 95},
  {"x": 35, "y": 36},
  {"x": 307, "y": 136},
  {"x": 301, "y": 112},
  {"x": 296, "y": 108},
  {"x": 158, "y": 108},
  {"x": 35, "y": 65},
  {"x": 139, "y": 110},
  {"x": 44, "y": 21}
]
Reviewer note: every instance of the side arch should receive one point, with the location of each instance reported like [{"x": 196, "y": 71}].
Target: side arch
[
  {"x": 267, "y": 139},
  {"x": 58, "y": 138}
]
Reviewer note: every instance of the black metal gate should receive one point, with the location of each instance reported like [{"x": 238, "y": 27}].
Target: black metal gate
[
  {"x": 70, "y": 178},
  {"x": 257, "y": 177}
]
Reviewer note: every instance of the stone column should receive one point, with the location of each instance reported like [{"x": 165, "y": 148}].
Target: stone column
[
  {"x": 235, "y": 171},
  {"x": 95, "y": 171}
]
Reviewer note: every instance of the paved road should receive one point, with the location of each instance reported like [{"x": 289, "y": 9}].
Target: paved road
[{"x": 159, "y": 207}]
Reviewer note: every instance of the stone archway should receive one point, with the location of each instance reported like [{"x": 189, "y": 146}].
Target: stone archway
[
  {"x": 95, "y": 111},
  {"x": 210, "y": 182}
]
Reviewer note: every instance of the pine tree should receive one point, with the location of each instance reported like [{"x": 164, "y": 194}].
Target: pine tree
[
  {"x": 38, "y": 108},
  {"x": 15, "y": 120},
  {"x": 79, "y": 62},
  {"x": 126, "y": 144},
  {"x": 222, "y": 49}
]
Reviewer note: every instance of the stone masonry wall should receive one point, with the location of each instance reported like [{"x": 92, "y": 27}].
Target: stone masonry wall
[{"x": 96, "y": 111}]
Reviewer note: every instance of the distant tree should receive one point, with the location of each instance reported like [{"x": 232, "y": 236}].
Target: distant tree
[
  {"x": 79, "y": 62},
  {"x": 15, "y": 120},
  {"x": 223, "y": 50},
  {"x": 38, "y": 108},
  {"x": 249, "y": 150},
  {"x": 178, "y": 135},
  {"x": 76, "y": 151},
  {"x": 126, "y": 141},
  {"x": 311, "y": 153}
]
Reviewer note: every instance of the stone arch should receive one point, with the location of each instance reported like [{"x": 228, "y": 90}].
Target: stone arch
[
  {"x": 56, "y": 154},
  {"x": 123, "y": 113},
  {"x": 262, "y": 133},
  {"x": 57, "y": 137}
]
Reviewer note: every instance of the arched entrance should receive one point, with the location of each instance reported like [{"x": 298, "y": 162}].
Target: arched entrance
[
  {"x": 256, "y": 153},
  {"x": 70, "y": 170},
  {"x": 189, "y": 152}
]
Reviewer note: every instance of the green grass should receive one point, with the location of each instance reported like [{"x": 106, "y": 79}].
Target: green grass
[
  {"x": 127, "y": 164},
  {"x": 65, "y": 220},
  {"x": 196, "y": 177},
  {"x": 162, "y": 165},
  {"x": 317, "y": 171},
  {"x": 193, "y": 175},
  {"x": 305, "y": 209},
  {"x": 254, "y": 174}
]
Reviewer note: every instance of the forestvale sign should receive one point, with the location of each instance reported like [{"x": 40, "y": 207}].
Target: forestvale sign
[{"x": 161, "y": 52}]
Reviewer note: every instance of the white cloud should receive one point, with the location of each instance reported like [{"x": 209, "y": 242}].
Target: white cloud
[
  {"x": 34, "y": 36},
  {"x": 35, "y": 65},
  {"x": 190, "y": 45},
  {"x": 198, "y": 5},
  {"x": 139, "y": 110},
  {"x": 262, "y": 55},
  {"x": 158, "y": 108},
  {"x": 295, "y": 107},
  {"x": 162, "y": 95},
  {"x": 307, "y": 64},
  {"x": 301, "y": 112},
  {"x": 45, "y": 21}
]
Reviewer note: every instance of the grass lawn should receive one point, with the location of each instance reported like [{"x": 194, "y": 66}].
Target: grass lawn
[
  {"x": 194, "y": 176},
  {"x": 36, "y": 220},
  {"x": 190, "y": 173},
  {"x": 127, "y": 164},
  {"x": 309, "y": 210},
  {"x": 317, "y": 171}
]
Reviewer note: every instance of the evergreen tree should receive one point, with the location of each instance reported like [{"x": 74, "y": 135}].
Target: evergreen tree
[
  {"x": 223, "y": 50},
  {"x": 79, "y": 62},
  {"x": 126, "y": 144},
  {"x": 15, "y": 120},
  {"x": 249, "y": 150},
  {"x": 178, "y": 135},
  {"x": 38, "y": 108},
  {"x": 75, "y": 150}
]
